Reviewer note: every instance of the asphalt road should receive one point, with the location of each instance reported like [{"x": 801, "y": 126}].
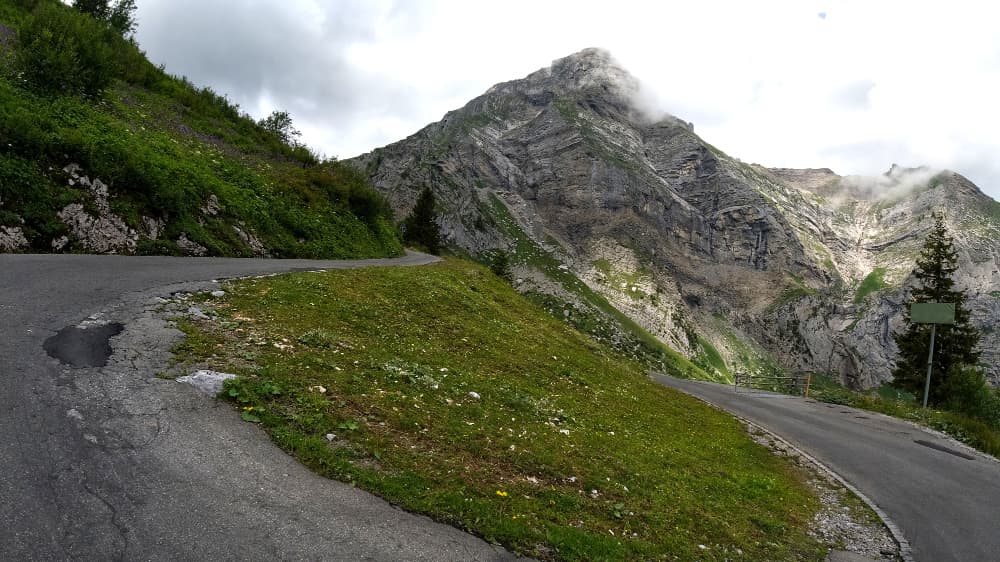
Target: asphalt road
[
  {"x": 944, "y": 497},
  {"x": 112, "y": 463}
]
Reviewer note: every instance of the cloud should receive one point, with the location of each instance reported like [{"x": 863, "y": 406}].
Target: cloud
[
  {"x": 897, "y": 181},
  {"x": 853, "y": 95},
  {"x": 294, "y": 56},
  {"x": 871, "y": 84}
]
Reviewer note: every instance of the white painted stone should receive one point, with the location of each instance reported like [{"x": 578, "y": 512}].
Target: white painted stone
[{"x": 208, "y": 382}]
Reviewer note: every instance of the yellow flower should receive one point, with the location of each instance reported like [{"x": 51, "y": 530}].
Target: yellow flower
[
  {"x": 248, "y": 408},
  {"x": 501, "y": 493}
]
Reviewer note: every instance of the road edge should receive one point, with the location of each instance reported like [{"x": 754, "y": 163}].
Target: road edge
[{"x": 905, "y": 551}]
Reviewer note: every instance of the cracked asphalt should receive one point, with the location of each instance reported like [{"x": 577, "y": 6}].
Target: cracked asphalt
[{"x": 113, "y": 463}]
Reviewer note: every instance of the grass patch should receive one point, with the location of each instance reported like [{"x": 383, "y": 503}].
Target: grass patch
[
  {"x": 195, "y": 345},
  {"x": 874, "y": 281},
  {"x": 709, "y": 358},
  {"x": 452, "y": 395},
  {"x": 795, "y": 291}
]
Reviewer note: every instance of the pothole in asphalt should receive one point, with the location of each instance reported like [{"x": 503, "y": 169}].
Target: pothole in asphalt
[
  {"x": 83, "y": 347},
  {"x": 942, "y": 448}
]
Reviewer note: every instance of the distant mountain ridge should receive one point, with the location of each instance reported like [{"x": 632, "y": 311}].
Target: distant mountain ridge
[{"x": 738, "y": 266}]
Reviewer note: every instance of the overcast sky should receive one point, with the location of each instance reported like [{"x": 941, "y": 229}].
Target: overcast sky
[{"x": 852, "y": 86}]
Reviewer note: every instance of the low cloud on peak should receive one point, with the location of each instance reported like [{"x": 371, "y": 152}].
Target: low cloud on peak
[{"x": 774, "y": 83}]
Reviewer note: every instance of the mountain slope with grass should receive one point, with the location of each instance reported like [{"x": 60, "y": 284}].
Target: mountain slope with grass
[
  {"x": 736, "y": 266},
  {"x": 103, "y": 152},
  {"x": 448, "y": 393}
]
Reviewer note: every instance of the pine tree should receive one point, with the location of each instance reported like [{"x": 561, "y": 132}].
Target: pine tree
[
  {"x": 955, "y": 345},
  {"x": 420, "y": 227}
]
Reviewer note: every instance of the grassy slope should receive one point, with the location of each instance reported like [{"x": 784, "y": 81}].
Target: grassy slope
[
  {"x": 399, "y": 351},
  {"x": 164, "y": 147}
]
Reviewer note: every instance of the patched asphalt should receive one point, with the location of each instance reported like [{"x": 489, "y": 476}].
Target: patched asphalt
[
  {"x": 86, "y": 346},
  {"x": 103, "y": 460}
]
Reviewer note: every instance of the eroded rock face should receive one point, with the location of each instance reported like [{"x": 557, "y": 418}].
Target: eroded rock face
[
  {"x": 566, "y": 158},
  {"x": 103, "y": 233},
  {"x": 191, "y": 247},
  {"x": 255, "y": 245},
  {"x": 12, "y": 239}
]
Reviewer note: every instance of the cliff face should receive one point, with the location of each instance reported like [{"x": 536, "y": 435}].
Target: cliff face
[{"x": 702, "y": 250}]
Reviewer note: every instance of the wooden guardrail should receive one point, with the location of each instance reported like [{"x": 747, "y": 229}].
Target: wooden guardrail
[{"x": 796, "y": 384}]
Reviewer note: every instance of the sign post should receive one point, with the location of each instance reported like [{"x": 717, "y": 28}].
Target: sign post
[{"x": 932, "y": 313}]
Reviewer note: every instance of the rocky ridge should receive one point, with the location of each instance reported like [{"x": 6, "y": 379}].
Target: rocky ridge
[{"x": 702, "y": 250}]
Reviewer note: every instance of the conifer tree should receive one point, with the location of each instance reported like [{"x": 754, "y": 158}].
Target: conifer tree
[
  {"x": 955, "y": 345},
  {"x": 420, "y": 227}
]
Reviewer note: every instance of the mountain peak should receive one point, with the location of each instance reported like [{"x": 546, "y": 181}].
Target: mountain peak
[{"x": 591, "y": 67}]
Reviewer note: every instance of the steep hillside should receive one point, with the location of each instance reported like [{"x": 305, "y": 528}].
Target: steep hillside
[
  {"x": 102, "y": 152},
  {"x": 735, "y": 265}
]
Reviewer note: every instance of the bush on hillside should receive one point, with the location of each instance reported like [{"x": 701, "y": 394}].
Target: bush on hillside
[
  {"x": 500, "y": 265},
  {"x": 969, "y": 394},
  {"x": 63, "y": 52}
]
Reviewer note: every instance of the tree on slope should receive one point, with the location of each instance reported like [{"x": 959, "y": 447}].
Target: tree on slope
[
  {"x": 120, "y": 15},
  {"x": 279, "y": 124},
  {"x": 98, "y": 9},
  {"x": 955, "y": 345},
  {"x": 420, "y": 227}
]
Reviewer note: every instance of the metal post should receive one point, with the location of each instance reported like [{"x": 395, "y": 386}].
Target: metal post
[{"x": 930, "y": 362}]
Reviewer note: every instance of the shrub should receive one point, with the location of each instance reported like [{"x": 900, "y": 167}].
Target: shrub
[
  {"x": 63, "y": 52},
  {"x": 500, "y": 265},
  {"x": 969, "y": 394}
]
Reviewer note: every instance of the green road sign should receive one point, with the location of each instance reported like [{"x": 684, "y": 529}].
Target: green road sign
[{"x": 932, "y": 313}]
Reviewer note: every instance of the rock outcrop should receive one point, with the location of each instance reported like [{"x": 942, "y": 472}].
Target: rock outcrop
[
  {"x": 564, "y": 167},
  {"x": 12, "y": 239}
]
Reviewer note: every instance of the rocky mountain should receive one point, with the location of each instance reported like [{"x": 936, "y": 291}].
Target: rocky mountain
[{"x": 737, "y": 266}]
